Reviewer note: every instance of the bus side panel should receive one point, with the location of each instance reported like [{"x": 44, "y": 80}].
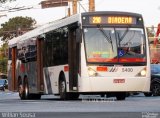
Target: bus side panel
[
  {"x": 31, "y": 72},
  {"x": 28, "y": 70},
  {"x": 51, "y": 79},
  {"x": 40, "y": 83}
]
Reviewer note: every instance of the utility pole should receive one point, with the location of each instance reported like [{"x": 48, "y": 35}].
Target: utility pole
[
  {"x": 69, "y": 11},
  {"x": 74, "y": 6},
  {"x": 91, "y": 5}
]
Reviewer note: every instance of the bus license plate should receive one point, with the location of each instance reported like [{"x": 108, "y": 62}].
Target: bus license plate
[{"x": 119, "y": 81}]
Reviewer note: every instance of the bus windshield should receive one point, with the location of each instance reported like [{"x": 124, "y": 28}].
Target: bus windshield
[{"x": 115, "y": 45}]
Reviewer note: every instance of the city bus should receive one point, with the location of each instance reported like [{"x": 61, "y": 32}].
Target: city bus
[{"x": 88, "y": 53}]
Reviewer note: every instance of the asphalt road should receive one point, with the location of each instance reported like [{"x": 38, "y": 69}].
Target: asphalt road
[{"x": 86, "y": 107}]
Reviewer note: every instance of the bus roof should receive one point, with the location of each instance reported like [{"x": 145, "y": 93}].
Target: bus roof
[
  {"x": 60, "y": 23},
  {"x": 43, "y": 29}
]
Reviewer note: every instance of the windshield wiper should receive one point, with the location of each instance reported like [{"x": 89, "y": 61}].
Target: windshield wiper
[
  {"x": 124, "y": 34},
  {"x": 122, "y": 37},
  {"x": 108, "y": 38}
]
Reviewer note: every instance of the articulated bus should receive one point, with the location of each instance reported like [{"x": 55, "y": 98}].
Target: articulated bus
[{"x": 87, "y": 53}]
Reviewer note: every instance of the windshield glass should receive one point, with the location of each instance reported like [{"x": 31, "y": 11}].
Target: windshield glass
[{"x": 115, "y": 45}]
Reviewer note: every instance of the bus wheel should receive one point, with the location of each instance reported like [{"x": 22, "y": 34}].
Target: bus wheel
[
  {"x": 3, "y": 88},
  {"x": 73, "y": 96},
  {"x": 121, "y": 95},
  {"x": 26, "y": 89},
  {"x": 62, "y": 89},
  {"x": 20, "y": 89},
  {"x": 35, "y": 96}
]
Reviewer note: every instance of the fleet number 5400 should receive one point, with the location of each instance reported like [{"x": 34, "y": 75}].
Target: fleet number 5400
[{"x": 127, "y": 69}]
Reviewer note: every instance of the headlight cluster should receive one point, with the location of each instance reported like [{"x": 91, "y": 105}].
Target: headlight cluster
[
  {"x": 92, "y": 72},
  {"x": 142, "y": 73}
]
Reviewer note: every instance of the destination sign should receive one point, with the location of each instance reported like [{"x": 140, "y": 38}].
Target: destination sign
[{"x": 112, "y": 20}]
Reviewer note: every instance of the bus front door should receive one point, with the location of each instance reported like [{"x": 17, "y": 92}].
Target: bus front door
[{"x": 74, "y": 53}]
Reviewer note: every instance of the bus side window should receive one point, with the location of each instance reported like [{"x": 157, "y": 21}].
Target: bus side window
[
  {"x": 10, "y": 54},
  {"x": 78, "y": 35}
]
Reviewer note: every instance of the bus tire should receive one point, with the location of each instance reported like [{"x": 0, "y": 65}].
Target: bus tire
[
  {"x": 35, "y": 96},
  {"x": 20, "y": 89},
  {"x": 121, "y": 96},
  {"x": 26, "y": 89},
  {"x": 3, "y": 88},
  {"x": 73, "y": 96},
  {"x": 62, "y": 88}
]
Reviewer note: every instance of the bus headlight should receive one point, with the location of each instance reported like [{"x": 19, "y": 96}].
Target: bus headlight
[
  {"x": 143, "y": 73},
  {"x": 92, "y": 72}
]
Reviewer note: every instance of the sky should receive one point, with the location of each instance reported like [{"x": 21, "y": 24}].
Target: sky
[{"x": 150, "y": 9}]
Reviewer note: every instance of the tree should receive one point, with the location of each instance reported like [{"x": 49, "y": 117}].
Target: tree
[
  {"x": 150, "y": 33},
  {"x": 15, "y": 27},
  {"x": 4, "y": 1},
  {"x": 3, "y": 58}
]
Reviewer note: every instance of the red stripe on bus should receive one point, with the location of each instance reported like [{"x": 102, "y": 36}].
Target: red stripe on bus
[
  {"x": 132, "y": 60},
  {"x": 66, "y": 68},
  {"x": 116, "y": 60},
  {"x": 101, "y": 60},
  {"x": 102, "y": 68}
]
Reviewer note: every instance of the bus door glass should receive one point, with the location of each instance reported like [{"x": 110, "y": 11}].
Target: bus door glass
[{"x": 74, "y": 53}]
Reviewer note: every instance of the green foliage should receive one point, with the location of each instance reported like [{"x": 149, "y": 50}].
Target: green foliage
[
  {"x": 16, "y": 26},
  {"x": 150, "y": 33},
  {"x": 3, "y": 65},
  {"x": 3, "y": 58},
  {"x": 4, "y": 1}
]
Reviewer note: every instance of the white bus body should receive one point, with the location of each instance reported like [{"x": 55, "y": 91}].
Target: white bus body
[{"x": 81, "y": 54}]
